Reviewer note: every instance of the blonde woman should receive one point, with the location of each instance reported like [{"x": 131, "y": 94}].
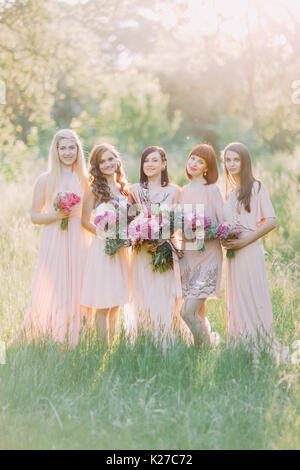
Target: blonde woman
[{"x": 54, "y": 307}]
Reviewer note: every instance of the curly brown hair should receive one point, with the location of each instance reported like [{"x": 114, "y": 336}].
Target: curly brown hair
[{"x": 98, "y": 181}]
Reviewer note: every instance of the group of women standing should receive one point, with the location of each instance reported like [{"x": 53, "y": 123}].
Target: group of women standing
[{"x": 75, "y": 276}]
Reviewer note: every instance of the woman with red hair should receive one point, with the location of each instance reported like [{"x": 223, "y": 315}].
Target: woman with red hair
[{"x": 201, "y": 270}]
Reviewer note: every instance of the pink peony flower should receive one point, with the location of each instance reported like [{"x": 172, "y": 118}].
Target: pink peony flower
[
  {"x": 207, "y": 222},
  {"x": 224, "y": 231},
  {"x": 64, "y": 202}
]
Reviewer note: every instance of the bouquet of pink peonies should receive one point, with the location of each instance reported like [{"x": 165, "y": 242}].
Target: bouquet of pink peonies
[
  {"x": 65, "y": 202},
  {"x": 154, "y": 229},
  {"x": 108, "y": 226},
  {"x": 227, "y": 231},
  {"x": 106, "y": 220},
  {"x": 194, "y": 221}
]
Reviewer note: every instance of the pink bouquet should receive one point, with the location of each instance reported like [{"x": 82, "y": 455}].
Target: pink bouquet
[
  {"x": 144, "y": 227},
  {"x": 65, "y": 202},
  {"x": 227, "y": 231},
  {"x": 106, "y": 220},
  {"x": 154, "y": 229},
  {"x": 193, "y": 221}
]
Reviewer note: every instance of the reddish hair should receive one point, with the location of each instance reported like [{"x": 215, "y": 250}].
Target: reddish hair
[{"x": 208, "y": 154}]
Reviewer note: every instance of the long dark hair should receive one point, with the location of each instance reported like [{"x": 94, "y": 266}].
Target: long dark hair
[
  {"x": 97, "y": 180},
  {"x": 246, "y": 176},
  {"x": 164, "y": 173},
  {"x": 208, "y": 154}
]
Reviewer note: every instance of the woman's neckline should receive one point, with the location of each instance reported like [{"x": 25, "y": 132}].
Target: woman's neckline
[
  {"x": 197, "y": 185},
  {"x": 66, "y": 180},
  {"x": 156, "y": 186}
]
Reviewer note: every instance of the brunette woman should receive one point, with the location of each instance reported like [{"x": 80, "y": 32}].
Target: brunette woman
[
  {"x": 105, "y": 286},
  {"x": 153, "y": 294},
  {"x": 248, "y": 304}
]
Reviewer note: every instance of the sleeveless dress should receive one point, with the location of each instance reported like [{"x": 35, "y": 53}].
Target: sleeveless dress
[
  {"x": 201, "y": 270},
  {"x": 54, "y": 307},
  {"x": 153, "y": 297},
  {"x": 105, "y": 277},
  {"x": 248, "y": 303}
]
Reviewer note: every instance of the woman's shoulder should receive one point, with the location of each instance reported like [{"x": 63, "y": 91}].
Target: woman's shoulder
[
  {"x": 257, "y": 187},
  {"x": 86, "y": 181},
  {"x": 214, "y": 189},
  {"x": 89, "y": 190},
  {"x": 134, "y": 187},
  {"x": 173, "y": 187},
  {"x": 42, "y": 179},
  {"x": 43, "y": 176}
]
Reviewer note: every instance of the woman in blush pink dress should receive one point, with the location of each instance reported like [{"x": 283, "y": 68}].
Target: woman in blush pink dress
[
  {"x": 54, "y": 306},
  {"x": 154, "y": 295},
  {"x": 105, "y": 285},
  {"x": 201, "y": 270},
  {"x": 248, "y": 304}
]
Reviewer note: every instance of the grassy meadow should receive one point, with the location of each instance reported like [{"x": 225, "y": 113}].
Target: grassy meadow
[{"x": 135, "y": 396}]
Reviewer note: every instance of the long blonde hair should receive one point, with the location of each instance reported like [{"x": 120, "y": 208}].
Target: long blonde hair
[{"x": 54, "y": 172}]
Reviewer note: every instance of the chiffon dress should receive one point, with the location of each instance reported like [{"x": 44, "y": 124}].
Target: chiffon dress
[
  {"x": 201, "y": 270},
  {"x": 154, "y": 297},
  {"x": 248, "y": 303},
  {"x": 54, "y": 306},
  {"x": 106, "y": 277}
]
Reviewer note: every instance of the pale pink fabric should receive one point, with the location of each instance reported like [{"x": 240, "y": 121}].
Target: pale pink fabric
[
  {"x": 105, "y": 277},
  {"x": 153, "y": 303},
  {"x": 201, "y": 270},
  {"x": 54, "y": 307},
  {"x": 248, "y": 303}
]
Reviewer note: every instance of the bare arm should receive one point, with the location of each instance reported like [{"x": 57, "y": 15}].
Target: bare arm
[
  {"x": 38, "y": 203},
  {"x": 218, "y": 205},
  {"x": 131, "y": 196},
  {"x": 87, "y": 209},
  {"x": 265, "y": 227},
  {"x": 176, "y": 197},
  {"x": 177, "y": 237}
]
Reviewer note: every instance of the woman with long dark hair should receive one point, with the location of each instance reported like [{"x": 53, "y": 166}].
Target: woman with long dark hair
[
  {"x": 201, "y": 270},
  {"x": 153, "y": 294},
  {"x": 248, "y": 304},
  {"x": 105, "y": 285}
]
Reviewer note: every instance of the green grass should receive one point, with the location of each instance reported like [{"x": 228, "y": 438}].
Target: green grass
[{"x": 135, "y": 396}]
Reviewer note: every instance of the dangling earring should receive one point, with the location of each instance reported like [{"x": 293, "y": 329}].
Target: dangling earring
[{"x": 205, "y": 173}]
